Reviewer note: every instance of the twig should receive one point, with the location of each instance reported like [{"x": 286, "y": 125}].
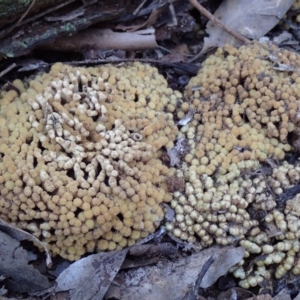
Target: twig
[
  {"x": 104, "y": 39},
  {"x": 193, "y": 293},
  {"x": 212, "y": 18},
  {"x": 49, "y": 10},
  {"x": 45, "y": 12},
  {"x": 68, "y": 17},
  {"x": 174, "y": 21},
  {"x": 143, "y": 12},
  {"x": 26, "y": 12},
  {"x": 139, "y": 7},
  {"x": 9, "y": 29},
  {"x": 9, "y": 68}
]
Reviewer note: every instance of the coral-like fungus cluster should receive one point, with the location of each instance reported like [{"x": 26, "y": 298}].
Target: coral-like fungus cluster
[
  {"x": 79, "y": 151},
  {"x": 244, "y": 107},
  {"x": 295, "y": 6},
  {"x": 81, "y": 159},
  {"x": 292, "y": 17},
  {"x": 278, "y": 244},
  {"x": 243, "y": 111}
]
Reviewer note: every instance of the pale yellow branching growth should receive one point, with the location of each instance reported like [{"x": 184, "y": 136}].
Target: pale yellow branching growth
[
  {"x": 79, "y": 153},
  {"x": 242, "y": 111}
]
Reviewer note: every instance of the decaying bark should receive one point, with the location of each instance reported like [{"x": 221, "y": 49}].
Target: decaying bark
[
  {"x": 37, "y": 29},
  {"x": 10, "y": 11}
]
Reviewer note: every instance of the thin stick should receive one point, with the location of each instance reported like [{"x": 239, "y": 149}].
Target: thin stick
[
  {"x": 9, "y": 29},
  {"x": 212, "y": 18},
  {"x": 49, "y": 10},
  {"x": 139, "y": 7},
  {"x": 26, "y": 12},
  {"x": 193, "y": 293},
  {"x": 9, "y": 68}
]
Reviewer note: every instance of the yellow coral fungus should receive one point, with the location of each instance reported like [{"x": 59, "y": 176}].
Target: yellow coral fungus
[
  {"x": 79, "y": 148},
  {"x": 264, "y": 98},
  {"x": 242, "y": 110}
]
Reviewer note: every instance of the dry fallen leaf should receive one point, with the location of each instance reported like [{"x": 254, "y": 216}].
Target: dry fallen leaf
[
  {"x": 21, "y": 235},
  {"x": 31, "y": 64},
  {"x": 283, "y": 37},
  {"x": 272, "y": 230},
  {"x": 20, "y": 276},
  {"x": 253, "y": 19},
  {"x": 178, "y": 54},
  {"x": 149, "y": 22},
  {"x": 154, "y": 249},
  {"x": 169, "y": 280},
  {"x": 90, "y": 277},
  {"x": 3, "y": 290},
  {"x": 283, "y": 295}
]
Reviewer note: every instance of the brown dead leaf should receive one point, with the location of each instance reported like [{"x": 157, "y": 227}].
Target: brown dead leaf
[
  {"x": 153, "y": 250},
  {"x": 272, "y": 230},
  {"x": 283, "y": 37},
  {"x": 178, "y": 54},
  {"x": 113, "y": 292},
  {"x": 283, "y": 295},
  {"x": 21, "y": 235},
  {"x": 139, "y": 262},
  {"x": 172, "y": 280},
  {"x": 90, "y": 277},
  {"x": 150, "y": 21},
  {"x": 253, "y": 19},
  {"x": 20, "y": 276}
]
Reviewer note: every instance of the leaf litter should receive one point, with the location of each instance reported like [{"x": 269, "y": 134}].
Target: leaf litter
[
  {"x": 90, "y": 277},
  {"x": 172, "y": 280},
  {"x": 21, "y": 277},
  {"x": 253, "y": 19},
  {"x": 21, "y": 235}
]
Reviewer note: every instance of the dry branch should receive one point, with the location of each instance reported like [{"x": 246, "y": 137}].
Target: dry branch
[{"x": 105, "y": 39}]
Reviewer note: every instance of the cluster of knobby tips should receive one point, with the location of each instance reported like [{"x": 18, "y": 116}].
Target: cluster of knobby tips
[
  {"x": 242, "y": 115},
  {"x": 292, "y": 15},
  {"x": 79, "y": 156},
  {"x": 83, "y": 157}
]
